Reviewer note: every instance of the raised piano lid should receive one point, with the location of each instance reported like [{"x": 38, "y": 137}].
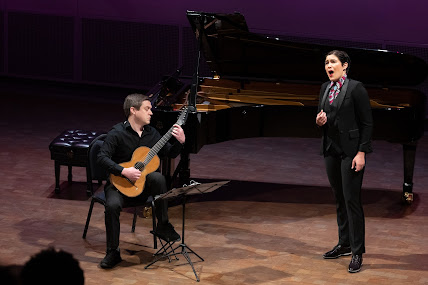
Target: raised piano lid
[{"x": 232, "y": 51}]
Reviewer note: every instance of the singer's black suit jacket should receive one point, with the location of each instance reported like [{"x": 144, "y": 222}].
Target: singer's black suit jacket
[{"x": 353, "y": 117}]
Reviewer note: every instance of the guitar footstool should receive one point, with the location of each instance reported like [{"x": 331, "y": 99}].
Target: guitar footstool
[{"x": 70, "y": 148}]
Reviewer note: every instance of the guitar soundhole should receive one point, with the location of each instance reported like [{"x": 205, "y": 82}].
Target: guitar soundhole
[{"x": 139, "y": 165}]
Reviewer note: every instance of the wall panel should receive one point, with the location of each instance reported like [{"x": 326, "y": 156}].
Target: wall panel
[
  {"x": 40, "y": 45},
  {"x": 127, "y": 53}
]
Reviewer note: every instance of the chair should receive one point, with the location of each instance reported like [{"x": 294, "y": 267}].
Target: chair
[{"x": 95, "y": 172}]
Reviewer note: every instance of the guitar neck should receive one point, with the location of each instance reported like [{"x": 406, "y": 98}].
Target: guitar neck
[{"x": 158, "y": 146}]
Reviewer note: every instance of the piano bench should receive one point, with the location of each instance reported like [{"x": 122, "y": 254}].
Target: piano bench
[{"x": 70, "y": 148}]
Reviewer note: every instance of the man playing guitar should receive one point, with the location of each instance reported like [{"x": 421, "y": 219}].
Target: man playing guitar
[{"x": 119, "y": 146}]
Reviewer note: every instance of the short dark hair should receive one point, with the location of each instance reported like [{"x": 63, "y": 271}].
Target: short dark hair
[
  {"x": 133, "y": 100},
  {"x": 342, "y": 56},
  {"x": 52, "y": 267}
]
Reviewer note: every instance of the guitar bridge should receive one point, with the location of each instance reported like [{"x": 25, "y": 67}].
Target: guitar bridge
[{"x": 132, "y": 183}]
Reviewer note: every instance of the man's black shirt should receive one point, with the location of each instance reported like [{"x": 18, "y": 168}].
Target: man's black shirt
[{"x": 121, "y": 142}]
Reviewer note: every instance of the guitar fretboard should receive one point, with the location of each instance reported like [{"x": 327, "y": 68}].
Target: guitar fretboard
[
  {"x": 154, "y": 150},
  {"x": 159, "y": 145}
]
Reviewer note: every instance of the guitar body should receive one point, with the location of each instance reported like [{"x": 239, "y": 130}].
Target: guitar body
[{"x": 133, "y": 189}]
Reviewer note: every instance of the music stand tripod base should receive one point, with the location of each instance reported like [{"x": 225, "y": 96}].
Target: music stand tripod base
[{"x": 167, "y": 250}]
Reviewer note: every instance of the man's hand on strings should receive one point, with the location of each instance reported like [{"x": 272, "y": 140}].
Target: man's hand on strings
[
  {"x": 178, "y": 133},
  {"x": 131, "y": 173}
]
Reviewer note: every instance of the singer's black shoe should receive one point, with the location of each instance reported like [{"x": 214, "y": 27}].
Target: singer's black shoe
[
  {"x": 356, "y": 263},
  {"x": 111, "y": 259},
  {"x": 337, "y": 251}
]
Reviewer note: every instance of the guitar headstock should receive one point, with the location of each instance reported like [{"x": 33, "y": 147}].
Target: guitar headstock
[{"x": 182, "y": 117}]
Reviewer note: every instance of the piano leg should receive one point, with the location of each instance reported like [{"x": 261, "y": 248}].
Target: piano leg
[
  {"x": 182, "y": 171},
  {"x": 184, "y": 168},
  {"x": 166, "y": 167},
  {"x": 409, "y": 152}
]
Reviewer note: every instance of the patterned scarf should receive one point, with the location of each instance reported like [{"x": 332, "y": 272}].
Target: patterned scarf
[{"x": 336, "y": 89}]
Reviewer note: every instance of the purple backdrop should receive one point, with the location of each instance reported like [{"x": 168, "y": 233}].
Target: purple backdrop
[
  {"x": 400, "y": 21},
  {"x": 133, "y": 43}
]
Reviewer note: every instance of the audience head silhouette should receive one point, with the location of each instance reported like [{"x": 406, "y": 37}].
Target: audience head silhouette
[
  {"x": 9, "y": 274},
  {"x": 50, "y": 266}
]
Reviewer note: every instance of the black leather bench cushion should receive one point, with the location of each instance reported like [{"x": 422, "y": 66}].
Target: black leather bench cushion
[{"x": 72, "y": 145}]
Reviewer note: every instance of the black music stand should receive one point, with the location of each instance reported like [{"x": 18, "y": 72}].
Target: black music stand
[{"x": 183, "y": 192}]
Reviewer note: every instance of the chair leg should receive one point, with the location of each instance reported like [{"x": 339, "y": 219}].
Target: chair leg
[
  {"x": 89, "y": 188},
  {"x": 155, "y": 241},
  {"x": 88, "y": 218},
  {"x": 134, "y": 221}
]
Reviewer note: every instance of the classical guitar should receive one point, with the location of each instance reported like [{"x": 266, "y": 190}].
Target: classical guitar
[{"x": 145, "y": 160}]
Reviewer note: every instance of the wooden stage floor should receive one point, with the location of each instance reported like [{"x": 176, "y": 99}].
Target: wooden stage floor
[{"x": 270, "y": 225}]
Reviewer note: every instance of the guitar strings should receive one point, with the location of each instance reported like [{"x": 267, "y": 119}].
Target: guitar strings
[
  {"x": 140, "y": 165},
  {"x": 156, "y": 148}
]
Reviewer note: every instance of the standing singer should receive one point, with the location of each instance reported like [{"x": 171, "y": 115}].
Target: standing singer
[{"x": 345, "y": 116}]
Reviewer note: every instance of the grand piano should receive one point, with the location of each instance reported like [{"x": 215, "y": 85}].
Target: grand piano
[{"x": 260, "y": 83}]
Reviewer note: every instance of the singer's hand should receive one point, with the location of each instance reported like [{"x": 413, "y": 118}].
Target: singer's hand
[
  {"x": 321, "y": 118},
  {"x": 359, "y": 161}
]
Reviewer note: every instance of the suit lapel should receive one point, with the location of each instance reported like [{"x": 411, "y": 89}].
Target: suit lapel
[
  {"x": 342, "y": 93},
  {"x": 324, "y": 97}
]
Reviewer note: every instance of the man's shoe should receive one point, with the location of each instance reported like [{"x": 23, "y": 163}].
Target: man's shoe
[
  {"x": 337, "y": 251},
  {"x": 167, "y": 232},
  {"x": 111, "y": 259},
  {"x": 356, "y": 263}
]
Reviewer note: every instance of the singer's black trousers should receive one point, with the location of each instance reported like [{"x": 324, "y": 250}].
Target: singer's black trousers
[{"x": 346, "y": 184}]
